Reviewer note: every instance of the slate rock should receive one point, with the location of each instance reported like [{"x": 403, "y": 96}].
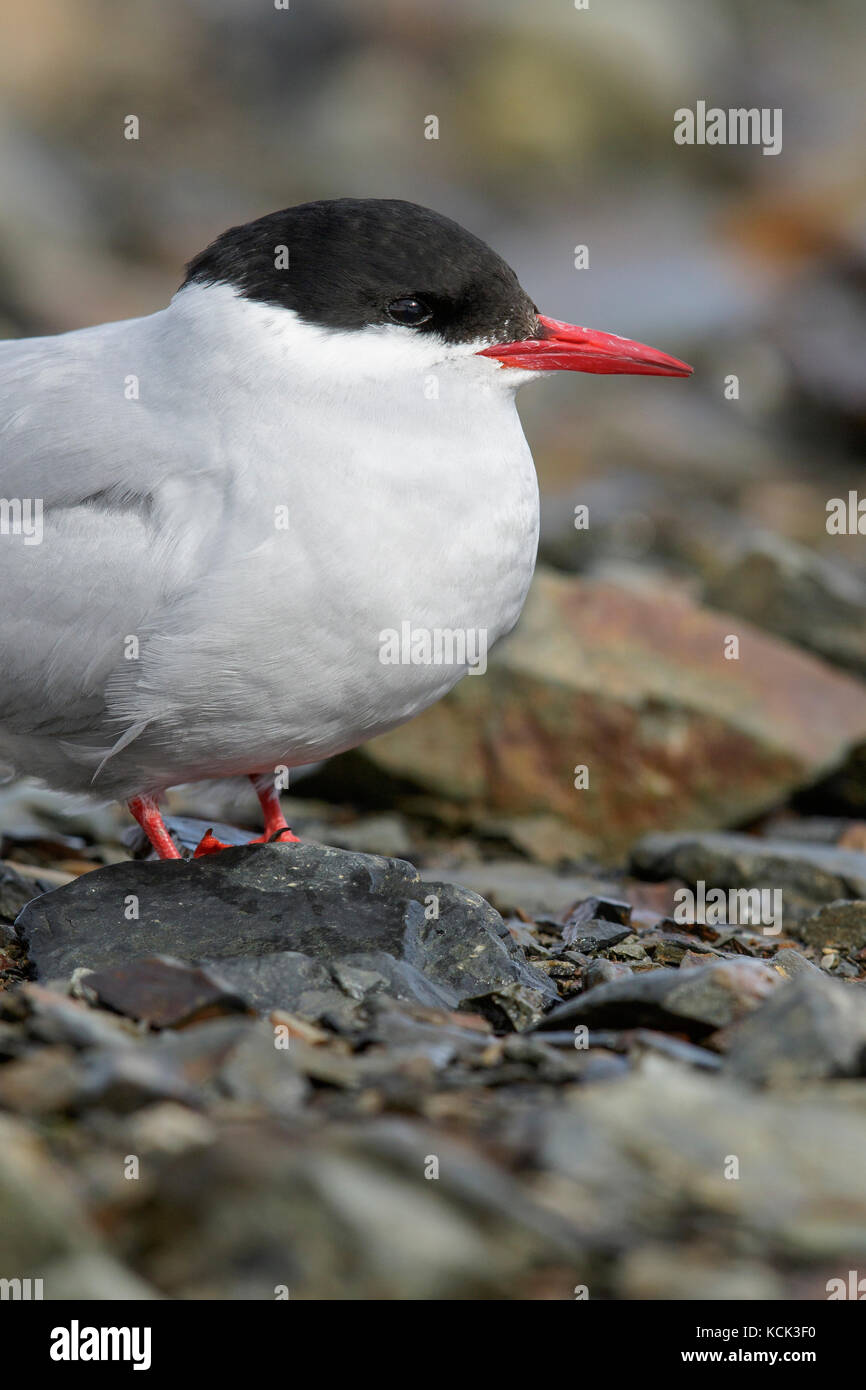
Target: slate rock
[
  {"x": 45, "y": 1081},
  {"x": 811, "y": 1029},
  {"x": 195, "y": 1055},
  {"x": 367, "y": 972},
  {"x": 651, "y": 1153},
  {"x": 162, "y": 991},
  {"x": 808, "y": 875},
  {"x": 187, "y": 831},
  {"x": 288, "y": 980},
  {"x": 694, "y": 1001},
  {"x": 325, "y": 903},
  {"x": 793, "y": 591},
  {"x": 792, "y": 964},
  {"x": 42, "y": 1215},
  {"x": 260, "y": 1072},
  {"x": 512, "y": 884},
  {"x": 593, "y": 936},
  {"x": 410, "y": 1030},
  {"x": 55, "y": 1018},
  {"x": 15, "y": 893},
  {"x": 596, "y": 923},
  {"x": 124, "y": 1080},
  {"x": 603, "y": 972},
  {"x": 839, "y": 924},
  {"x": 600, "y": 910},
  {"x": 636, "y": 1041}
]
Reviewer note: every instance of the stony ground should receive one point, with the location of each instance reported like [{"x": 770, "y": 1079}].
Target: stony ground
[
  {"x": 693, "y": 1122},
  {"x": 321, "y": 1071}
]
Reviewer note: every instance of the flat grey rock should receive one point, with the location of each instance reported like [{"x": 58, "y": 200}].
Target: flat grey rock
[
  {"x": 809, "y": 875},
  {"x": 436, "y": 943},
  {"x": 693, "y": 1001},
  {"x": 811, "y": 1029}
]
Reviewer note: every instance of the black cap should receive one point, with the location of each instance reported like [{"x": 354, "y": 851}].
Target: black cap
[{"x": 347, "y": 263}]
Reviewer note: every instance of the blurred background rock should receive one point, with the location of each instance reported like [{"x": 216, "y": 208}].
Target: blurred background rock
[{"x": 555, "y": 131}]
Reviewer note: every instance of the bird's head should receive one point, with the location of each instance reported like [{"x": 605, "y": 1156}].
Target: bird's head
[{"x": 382, "y": 284}]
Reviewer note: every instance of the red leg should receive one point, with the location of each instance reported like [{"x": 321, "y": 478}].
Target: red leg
[
  {"x": 269, "y": 800},
  {"x": 146, "y": 812}
]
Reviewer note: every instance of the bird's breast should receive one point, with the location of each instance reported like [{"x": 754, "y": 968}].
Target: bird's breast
[{"x": 365, "y": 573}]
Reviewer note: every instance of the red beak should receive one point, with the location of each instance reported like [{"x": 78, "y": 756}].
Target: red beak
[{"x": 566, "y": 348}]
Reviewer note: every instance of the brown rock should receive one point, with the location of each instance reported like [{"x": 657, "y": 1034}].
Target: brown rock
[
  {"x": 637, "y": 688},
  {"x": 163, "y": 992}
]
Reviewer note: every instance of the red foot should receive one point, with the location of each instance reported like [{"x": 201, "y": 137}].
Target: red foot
[
  {"x": 284, "y": 837},
  {"x": 146, "y": 812},
  {"x": 209, "y": 844}
]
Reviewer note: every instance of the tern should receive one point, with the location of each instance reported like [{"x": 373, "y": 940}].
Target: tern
[{"x": 212, "y": 516}]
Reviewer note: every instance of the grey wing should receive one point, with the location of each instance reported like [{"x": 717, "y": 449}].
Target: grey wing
[{"x": 95, "y": 536}]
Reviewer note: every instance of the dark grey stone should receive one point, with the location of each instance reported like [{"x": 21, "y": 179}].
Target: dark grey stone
[
  {"x": 603, "y": 972},
  {"x": 326, "y": 904},
  {"x": 693, "y": 1001},
  {"x": 593, "y": 935},
  {"x": 810, "y": 1029},
  {"x": 259, "y": 1072},
  {"x": 15, "y": 893},
  {"x": 288, "y": 980},
  {"x": 809, "y": 875}
]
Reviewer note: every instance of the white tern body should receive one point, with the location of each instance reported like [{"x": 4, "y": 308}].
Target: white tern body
[{"x": 235, "y": 505}]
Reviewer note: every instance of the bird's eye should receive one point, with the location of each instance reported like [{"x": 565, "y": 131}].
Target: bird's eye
[{"x": 409, "y": 311}]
